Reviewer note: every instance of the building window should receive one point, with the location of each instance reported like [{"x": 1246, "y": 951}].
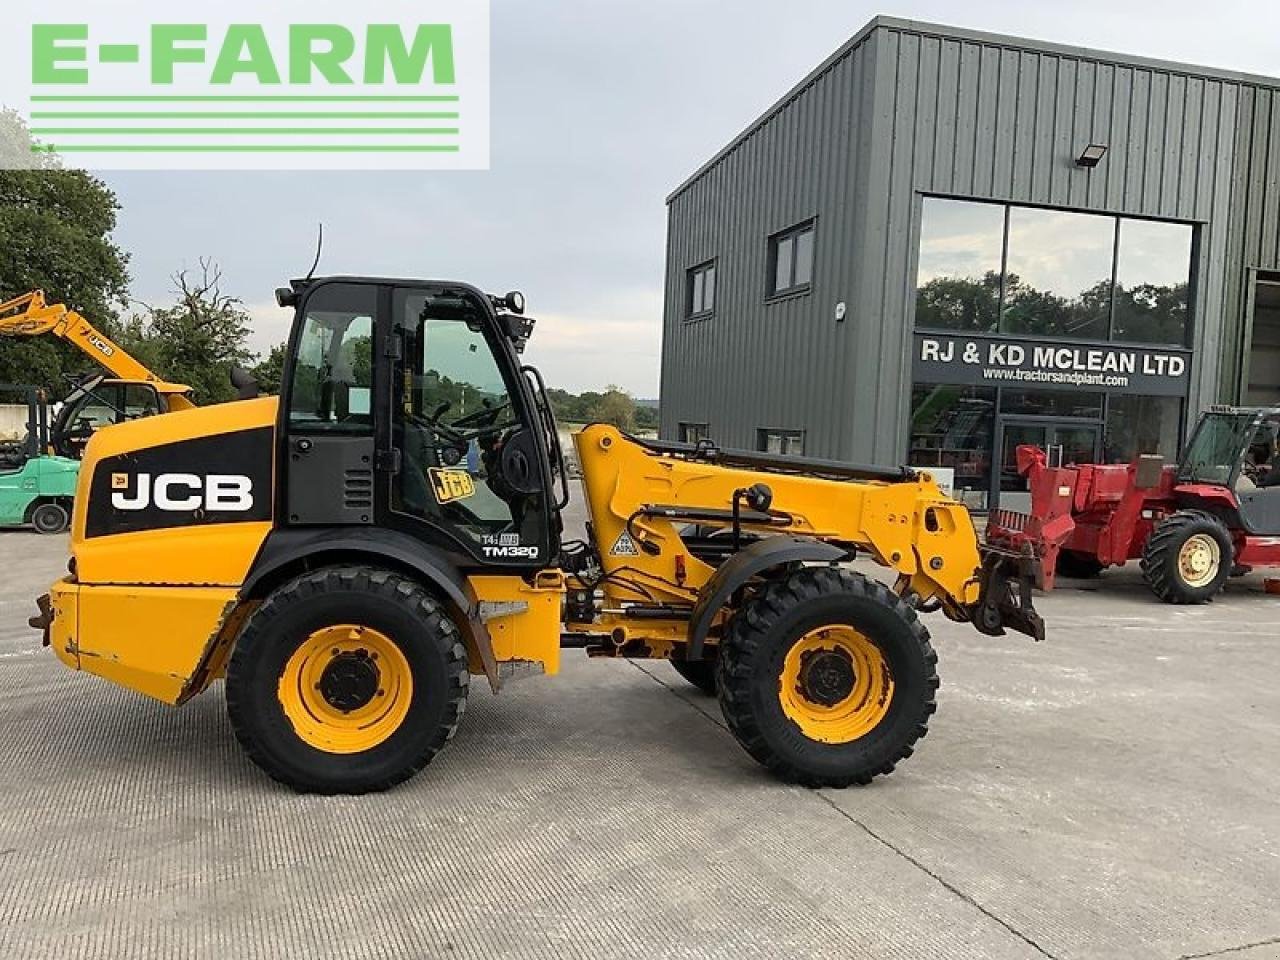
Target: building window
[
  {"x": 693, "y": 432},
  {"x": 791, "y": 260},
  {"x": 952, "y": 427},
  {"x": 788, "y": 443},
  {"x": 961, "y": 262},
  {"x": 996, "y": 268},
  {"x": 1057, "y": 275},
  {"x": 700, "y": 296},
  {"x": 1137, "y": 425},
  {"x": 1153, "y": 276}
]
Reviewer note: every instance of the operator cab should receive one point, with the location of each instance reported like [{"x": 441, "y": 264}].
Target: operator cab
[
  {"x": 98, "y": 402},
  {"x": 404, "y": 408},
  {"x": 1239, "y": 448}
]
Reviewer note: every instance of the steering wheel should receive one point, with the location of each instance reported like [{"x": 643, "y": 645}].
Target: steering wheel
[{"x": 480, "y": 421}]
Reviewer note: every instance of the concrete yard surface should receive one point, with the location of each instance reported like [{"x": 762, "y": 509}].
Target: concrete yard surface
[{"x": 1110, "y": 793}]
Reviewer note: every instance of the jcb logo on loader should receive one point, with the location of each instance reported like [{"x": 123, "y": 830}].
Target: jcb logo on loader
[
  {"x": 182, "y": 492},
  {"x": 99, "y": 344},
  {"x": 450, "y": 485}
]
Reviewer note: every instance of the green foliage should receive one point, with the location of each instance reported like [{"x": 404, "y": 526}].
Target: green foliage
[
  {"x": 269, "y": 370},
  {"x": 614, "y": 406},
  {"x": 197, "y": 340},
  {"x": 55, "y": 235},
  {"x": 1145, "y": 313}
]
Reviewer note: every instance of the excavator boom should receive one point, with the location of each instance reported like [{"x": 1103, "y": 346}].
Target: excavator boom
[{"x": 30, "y": 315}]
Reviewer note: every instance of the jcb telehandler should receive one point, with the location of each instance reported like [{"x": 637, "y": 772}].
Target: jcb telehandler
[
  {"x": 131, "y": 391},
  {"x": 350, "y": 554}
]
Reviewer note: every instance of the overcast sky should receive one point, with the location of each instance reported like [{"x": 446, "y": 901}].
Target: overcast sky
[{"x": 600, "y": 108}]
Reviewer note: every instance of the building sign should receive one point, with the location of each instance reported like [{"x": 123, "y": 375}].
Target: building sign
[{"x": 1004, "y": 361}]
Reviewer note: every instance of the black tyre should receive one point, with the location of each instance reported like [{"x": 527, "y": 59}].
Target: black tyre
[
  {"x": 827, "y": 678},
  {"x": 49, "y": 518},
  {"x": 347, "y": 680},
  {"x": 701, "y": 673},
  {"x": 1188, "y": 557},
  {"x": 1081, "y": 566}
]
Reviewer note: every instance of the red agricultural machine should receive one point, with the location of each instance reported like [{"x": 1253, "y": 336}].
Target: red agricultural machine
[{"x": 1192, "y": 525}]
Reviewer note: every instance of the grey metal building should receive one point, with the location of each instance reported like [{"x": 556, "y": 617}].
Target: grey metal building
[{"x": 943, "y": 243}]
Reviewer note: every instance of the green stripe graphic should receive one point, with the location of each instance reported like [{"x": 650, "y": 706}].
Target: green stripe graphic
[
  {"x": 222, "y": 115},
  {"x": 240, "y": 131},
  {"x": 265, "y": 98},
  {"x": 244, "y": 148}
]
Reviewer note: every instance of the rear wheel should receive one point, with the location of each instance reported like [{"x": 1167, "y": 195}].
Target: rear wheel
[
  {"x": 701, "y": 673},
  {"x": 49, "y": 518},
  {"x": 1188, "y": 557},
  {"x": 827, "y": 678},
  {"x": 347, "y": 680}
]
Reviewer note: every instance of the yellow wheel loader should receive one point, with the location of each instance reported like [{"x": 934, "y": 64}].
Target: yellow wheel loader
[
  {"x": 350, "y": 555},
  {"x": 131, "y": 391}
]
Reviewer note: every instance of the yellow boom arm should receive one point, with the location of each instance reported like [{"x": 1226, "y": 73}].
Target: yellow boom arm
[{"x": 31, "y": 316}]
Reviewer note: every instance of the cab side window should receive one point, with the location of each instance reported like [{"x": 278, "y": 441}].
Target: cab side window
[
  {"x": 332, "y": 387},
  {"x": 453, "y": 419},
  {"x": 140, "y": 400}
]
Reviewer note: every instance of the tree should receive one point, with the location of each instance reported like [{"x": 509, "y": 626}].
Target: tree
[
  {"x": 199, "y": 339},
  {"x": 617, "y": 407},
  {"x": 269, "y": 370},
  {"x": 55, "y": 235}
]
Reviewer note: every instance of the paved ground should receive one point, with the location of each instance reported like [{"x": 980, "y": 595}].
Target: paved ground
[{"x": 1110, "y": 793}]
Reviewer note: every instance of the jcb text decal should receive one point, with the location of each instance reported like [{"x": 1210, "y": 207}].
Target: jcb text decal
[
  {"x": 182, "y": 492},
  {"x": 450, "y": 485}
]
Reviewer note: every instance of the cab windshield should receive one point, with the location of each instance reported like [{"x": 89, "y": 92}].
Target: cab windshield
[{"x": 1214, "y": 453}]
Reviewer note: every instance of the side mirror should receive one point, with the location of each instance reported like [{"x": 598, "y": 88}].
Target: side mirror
[{"x": 245, "y": 384}]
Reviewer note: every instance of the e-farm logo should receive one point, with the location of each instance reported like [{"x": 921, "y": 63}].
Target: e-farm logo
[{"x": 290, "y": 84}]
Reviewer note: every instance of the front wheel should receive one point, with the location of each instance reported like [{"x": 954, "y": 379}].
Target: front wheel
[
  {"x": 49, "y": 518},
  {"x": 827, "y": 678},
  {"x": 1188, "y": 557},
  {"x": 346, "y": 680}
]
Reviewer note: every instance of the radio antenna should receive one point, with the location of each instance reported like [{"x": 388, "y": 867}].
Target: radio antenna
[{"x": 319, "y": 248}]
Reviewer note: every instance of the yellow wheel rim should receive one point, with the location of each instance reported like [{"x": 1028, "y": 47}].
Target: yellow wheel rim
[
  {"x": 836, "y": 685},
  {"x": 1199, "y": 560},
  {"x": 346, "y": 689}
]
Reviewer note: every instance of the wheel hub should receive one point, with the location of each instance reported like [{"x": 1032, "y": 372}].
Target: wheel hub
[
  {"x": 1198, "y": 560},
  {"x": 349, "y": 681},
  {"x": 826, "y": 676}
]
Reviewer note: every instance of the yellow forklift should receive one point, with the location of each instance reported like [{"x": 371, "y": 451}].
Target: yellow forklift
[
  {"x": 349, "y": 555},
  {"x": 130, "y": 391}
]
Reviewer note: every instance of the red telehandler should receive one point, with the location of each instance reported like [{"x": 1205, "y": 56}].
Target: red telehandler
[{"x": 1192, "y": 525}]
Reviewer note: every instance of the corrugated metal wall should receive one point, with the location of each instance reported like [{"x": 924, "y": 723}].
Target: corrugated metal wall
[
  {"x": 1253, "y": 230},
  {"x": 782, "y": 364},
  {"x": 909, "y": 111}
]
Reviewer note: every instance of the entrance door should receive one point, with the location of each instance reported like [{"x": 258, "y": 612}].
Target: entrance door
[{"x": 1065, "y": 442}]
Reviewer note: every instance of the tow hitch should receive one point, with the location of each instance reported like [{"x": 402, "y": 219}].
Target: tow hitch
[{"x": 1004, "y": 597}]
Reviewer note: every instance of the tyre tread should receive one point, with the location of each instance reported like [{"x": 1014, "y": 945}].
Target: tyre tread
[
  {"x": 396, "y": 589},
  {"x": 752, "y": 624},
  {"x": 1157, "y": 563}
]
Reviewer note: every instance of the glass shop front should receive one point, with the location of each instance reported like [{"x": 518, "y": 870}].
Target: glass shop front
[{"x": 1056, "y": 328}]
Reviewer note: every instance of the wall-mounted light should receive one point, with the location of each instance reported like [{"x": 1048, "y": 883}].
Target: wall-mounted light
[{"x": 1091, "y": 154}]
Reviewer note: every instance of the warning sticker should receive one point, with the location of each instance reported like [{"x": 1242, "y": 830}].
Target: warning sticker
[{"x": 624, "y": 546}]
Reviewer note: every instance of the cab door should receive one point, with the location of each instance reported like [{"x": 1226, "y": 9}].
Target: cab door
[
  {"x": 328, "y": 445},
  {"x": 469, "y": 468}
]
